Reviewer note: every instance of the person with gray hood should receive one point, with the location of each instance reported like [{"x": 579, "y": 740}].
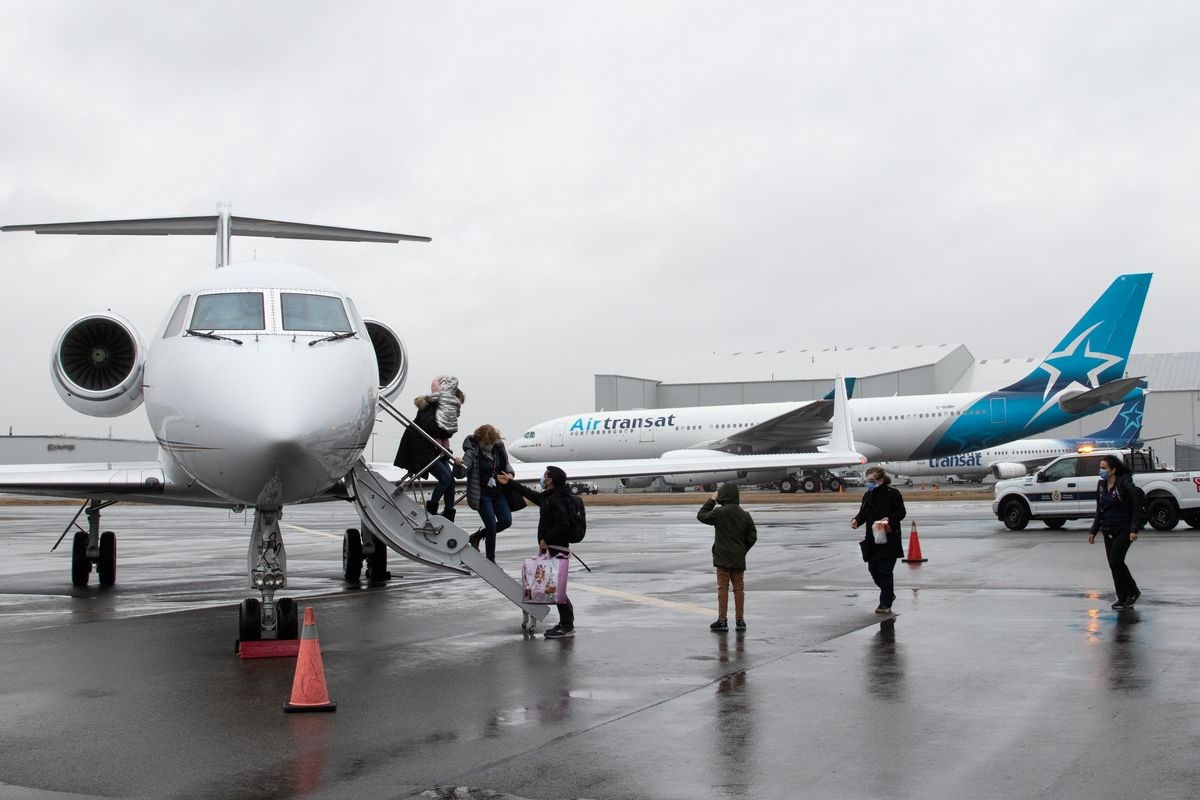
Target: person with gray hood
[{"x": 735, "y": 535}]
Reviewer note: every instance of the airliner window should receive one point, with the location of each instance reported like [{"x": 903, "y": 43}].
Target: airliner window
[
  {"x": 176, "y": 323},
  {"x": 313, "y": 312},
  {"x": 229, "y": 311}
]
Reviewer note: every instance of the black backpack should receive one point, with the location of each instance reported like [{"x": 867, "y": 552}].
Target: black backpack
[
  {"x": 1140, "y": 513},
  {"x": 578, "y": 516}
]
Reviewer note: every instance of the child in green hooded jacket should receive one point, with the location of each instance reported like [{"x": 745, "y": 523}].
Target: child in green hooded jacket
[{"x": 735, "y": 535}]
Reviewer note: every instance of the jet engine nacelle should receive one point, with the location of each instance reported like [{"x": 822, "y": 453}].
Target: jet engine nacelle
[
  {"x": 703, "y": 478},
  {"x": 1006, "y": 470},
  {"x": 643, "y": 482},
  {"x": 96, "y": 366},
  {"x": 391, "y": 356}
]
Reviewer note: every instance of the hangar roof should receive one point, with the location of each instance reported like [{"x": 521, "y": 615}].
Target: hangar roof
[{"x": 806, "y": 363}]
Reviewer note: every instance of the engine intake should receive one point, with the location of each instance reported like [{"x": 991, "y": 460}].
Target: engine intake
[
  {"x": 1008, "y": 470},
  {"x": 390, "y": 355},
  {"x": 96, "y": 366}
]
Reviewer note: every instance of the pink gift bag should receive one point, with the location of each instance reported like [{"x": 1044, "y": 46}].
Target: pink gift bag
[{"x": 544, "y": 579}]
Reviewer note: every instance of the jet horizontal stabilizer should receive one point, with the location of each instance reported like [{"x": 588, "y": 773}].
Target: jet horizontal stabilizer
[
  {"x": 1105, "y": 394},
  {"x": 207, "y": 226}
]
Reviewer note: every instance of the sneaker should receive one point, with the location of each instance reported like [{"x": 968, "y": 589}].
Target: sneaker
[
  {"x": 559, "y": 632},
  {"x": 720, "y": 626},
  {"x": 1129, "y": 601},
  {"x": 740, "y": 625},
  {"x": 1120, "y": 605}
]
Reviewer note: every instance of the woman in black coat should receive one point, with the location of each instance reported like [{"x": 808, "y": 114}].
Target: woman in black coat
[
  {"x": 418, "y": 454},
  {"x": 1117, "y": 519},
  {"x": 881, "y": 503}
]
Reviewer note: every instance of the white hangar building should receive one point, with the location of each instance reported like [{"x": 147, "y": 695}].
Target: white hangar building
[{"x": 768, "y": 376}]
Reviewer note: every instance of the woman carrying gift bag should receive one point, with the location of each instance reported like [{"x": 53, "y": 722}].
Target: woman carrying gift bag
[
  {"x": 881, "y": 512},
  {"x": 554, "y": 537}
]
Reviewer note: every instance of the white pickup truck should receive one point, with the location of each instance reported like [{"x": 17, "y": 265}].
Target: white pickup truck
[{"x": 1065, "y": 489}]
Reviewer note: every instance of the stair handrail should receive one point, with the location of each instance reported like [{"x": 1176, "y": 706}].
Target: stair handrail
[{"x": 399, "y": 416}]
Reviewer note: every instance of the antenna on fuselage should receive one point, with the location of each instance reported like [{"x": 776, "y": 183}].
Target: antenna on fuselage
[{"x": 223, "y": 224}]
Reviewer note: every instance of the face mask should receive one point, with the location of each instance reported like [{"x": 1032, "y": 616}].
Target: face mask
[
  {"x": 541, "y": 486},
  {"x": 1103, "y": 474},
  {"x": 871, "y": 485}
]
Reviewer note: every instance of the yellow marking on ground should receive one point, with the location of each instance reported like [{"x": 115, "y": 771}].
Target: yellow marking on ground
[
  {"x": 641, "y": 598},
  {"x": 309, "y": 530}
]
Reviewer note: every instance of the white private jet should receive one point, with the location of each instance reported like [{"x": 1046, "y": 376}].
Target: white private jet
[{"x": 262, "y": 387}]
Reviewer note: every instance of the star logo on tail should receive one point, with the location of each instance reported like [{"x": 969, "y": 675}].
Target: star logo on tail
[{"x": 1074, "y": 361}]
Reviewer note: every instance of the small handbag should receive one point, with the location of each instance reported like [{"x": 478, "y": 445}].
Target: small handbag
[{"x": 516, "y": 500}]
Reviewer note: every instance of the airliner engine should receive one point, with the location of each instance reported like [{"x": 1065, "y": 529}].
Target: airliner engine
[
  {"x": 391, "y": 355},
  {"x": 1005, "y": 470},
  {"x": 638, "y": 483},
  {"x": 96, "y": 365}
]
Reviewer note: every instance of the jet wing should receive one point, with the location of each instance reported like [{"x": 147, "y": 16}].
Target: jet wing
[
  {"x": 802, "y": 428},
  {"x": 688, "y": 461},
  {"x": 111, "y": 481}
]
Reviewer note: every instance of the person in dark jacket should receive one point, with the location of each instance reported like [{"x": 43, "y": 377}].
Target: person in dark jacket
[
  {"x": 735, "y": 535},
  {"x": 881, "y": 503},
  {"x": 420, "y": 456},
  {"x": 1116, "y": 501},
  {"x": 554, "y": 533},
  {"x": 485, "y": 460}
]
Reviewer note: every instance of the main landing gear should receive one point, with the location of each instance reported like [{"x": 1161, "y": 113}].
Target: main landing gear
[
  {"x": 359, "y": 549},
  {"x": 266, "y": 561},
  {"x": 92, "y": 548}
]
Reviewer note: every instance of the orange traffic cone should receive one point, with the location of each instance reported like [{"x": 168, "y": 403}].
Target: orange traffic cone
[
  {"x": 308, "y": 687},
  {"x": 914, "y": 549}
]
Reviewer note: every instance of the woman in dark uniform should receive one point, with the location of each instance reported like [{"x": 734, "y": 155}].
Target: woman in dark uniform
[
  {"x": 1116, "y": 500},
  {"x": 881, "y": 503}
]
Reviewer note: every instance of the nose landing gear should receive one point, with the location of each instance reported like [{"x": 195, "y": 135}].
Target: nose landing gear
[{"x": 266, "y": 562}]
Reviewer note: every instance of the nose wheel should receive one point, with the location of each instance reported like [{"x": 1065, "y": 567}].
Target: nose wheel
[{"x": 267, "y": 618}]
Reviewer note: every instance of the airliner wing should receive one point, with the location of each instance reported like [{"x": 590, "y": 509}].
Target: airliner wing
[
  {"x": 106, "y": 481},
  {"x": 702, "y": 461},
  {"x": 802, "y": 428}
]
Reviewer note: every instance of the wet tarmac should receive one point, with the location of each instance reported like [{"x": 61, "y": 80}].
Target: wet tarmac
[{"x": 1004, "y": 674}]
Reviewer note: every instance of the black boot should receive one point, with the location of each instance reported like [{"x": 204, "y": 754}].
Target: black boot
[
  {"x": 449, "y": 513},
  {"x": 477, "y": 537},
  {"x": 431, "y": 507}
]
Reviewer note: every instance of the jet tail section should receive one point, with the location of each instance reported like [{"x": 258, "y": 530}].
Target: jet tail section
[
  {"x": 1095, "y": 350},
  {"x": 412, "y": 532},
  {"x": 1102, "y": 396},
  {"x": 841, "y": 437},
  {"x": 1126, "y": 425}
]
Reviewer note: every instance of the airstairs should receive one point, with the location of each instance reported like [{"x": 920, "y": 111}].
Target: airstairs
[{"x": 395, "y": 517}]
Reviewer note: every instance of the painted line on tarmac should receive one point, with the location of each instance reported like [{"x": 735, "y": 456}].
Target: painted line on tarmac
[
  {"x": 309, "y": 530},
  {"x": 643, "y": 599}
]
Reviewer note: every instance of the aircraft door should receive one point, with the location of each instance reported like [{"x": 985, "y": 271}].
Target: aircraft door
[
  {"x": 556, "y": 438},
  {"x": 999, "y": 410}
]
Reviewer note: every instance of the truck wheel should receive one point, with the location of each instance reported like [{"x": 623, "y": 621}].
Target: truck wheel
[
  {"x": 1054, "y": 524},
  {"x": 1015, "y": 515},
  {"x": 1163, "y": 514},
  {"x": 1192, "y": 518}
]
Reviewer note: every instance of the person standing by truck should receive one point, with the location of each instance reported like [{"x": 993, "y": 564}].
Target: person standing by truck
[{"x": 1117, "y": 518}]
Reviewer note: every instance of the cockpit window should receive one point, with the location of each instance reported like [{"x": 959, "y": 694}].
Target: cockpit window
[
  {"x": 229, "y": 311},
  {"x": 176, "y": 323},
  {"x": 529, "y": 435},
  {"x": 313, "y": 312}
]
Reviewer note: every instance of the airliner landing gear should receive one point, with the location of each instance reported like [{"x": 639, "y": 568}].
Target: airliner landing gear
[
  {"x": 267, "y": 564},
  {"x": 359, "y": 548},
  {"x": 93, "y": 547}
]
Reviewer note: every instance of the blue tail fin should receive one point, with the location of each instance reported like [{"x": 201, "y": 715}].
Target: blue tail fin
[
  {"x": 1126, "y": 426},
  {"x": 849, "y": 389},
  {"x": 1095, "y": 350}
]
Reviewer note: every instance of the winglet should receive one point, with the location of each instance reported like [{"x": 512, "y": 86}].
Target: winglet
[{"x": 841, "y": 439}]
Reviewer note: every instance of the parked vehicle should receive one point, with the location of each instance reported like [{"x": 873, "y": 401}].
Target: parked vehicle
[
  {"x": 583, "y": 487},
  {"x": 1065, "y": 489}
]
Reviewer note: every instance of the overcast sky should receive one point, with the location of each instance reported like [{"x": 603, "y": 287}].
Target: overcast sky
[{"x": 609, "y": 186}]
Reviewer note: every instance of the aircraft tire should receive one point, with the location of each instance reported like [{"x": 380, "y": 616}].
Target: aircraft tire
[
  {"x": 377, "y": 563},
  {"x": 834, "y": 484},
  {"x": 1054, "y": 524},
  {"x": 1015, "y": 515},
  {"x": 809, "y": 485},
  {"x": 106, "y": 567},
  {"x": 352, "y": 555},
  {"x": 788, "y": 485},
  {"x": 80, "y": 567},
  {"x": 250, "y": 620},
  {"x": 1163, "y": 514},
  {"x": 288, "y": 614}
]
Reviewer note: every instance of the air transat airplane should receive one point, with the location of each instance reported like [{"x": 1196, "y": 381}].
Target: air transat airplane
[
  {"x": 1015, "y": 459},
  {"x": 1081, "y": 375},
  {"x": 262, "y": 386}
]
